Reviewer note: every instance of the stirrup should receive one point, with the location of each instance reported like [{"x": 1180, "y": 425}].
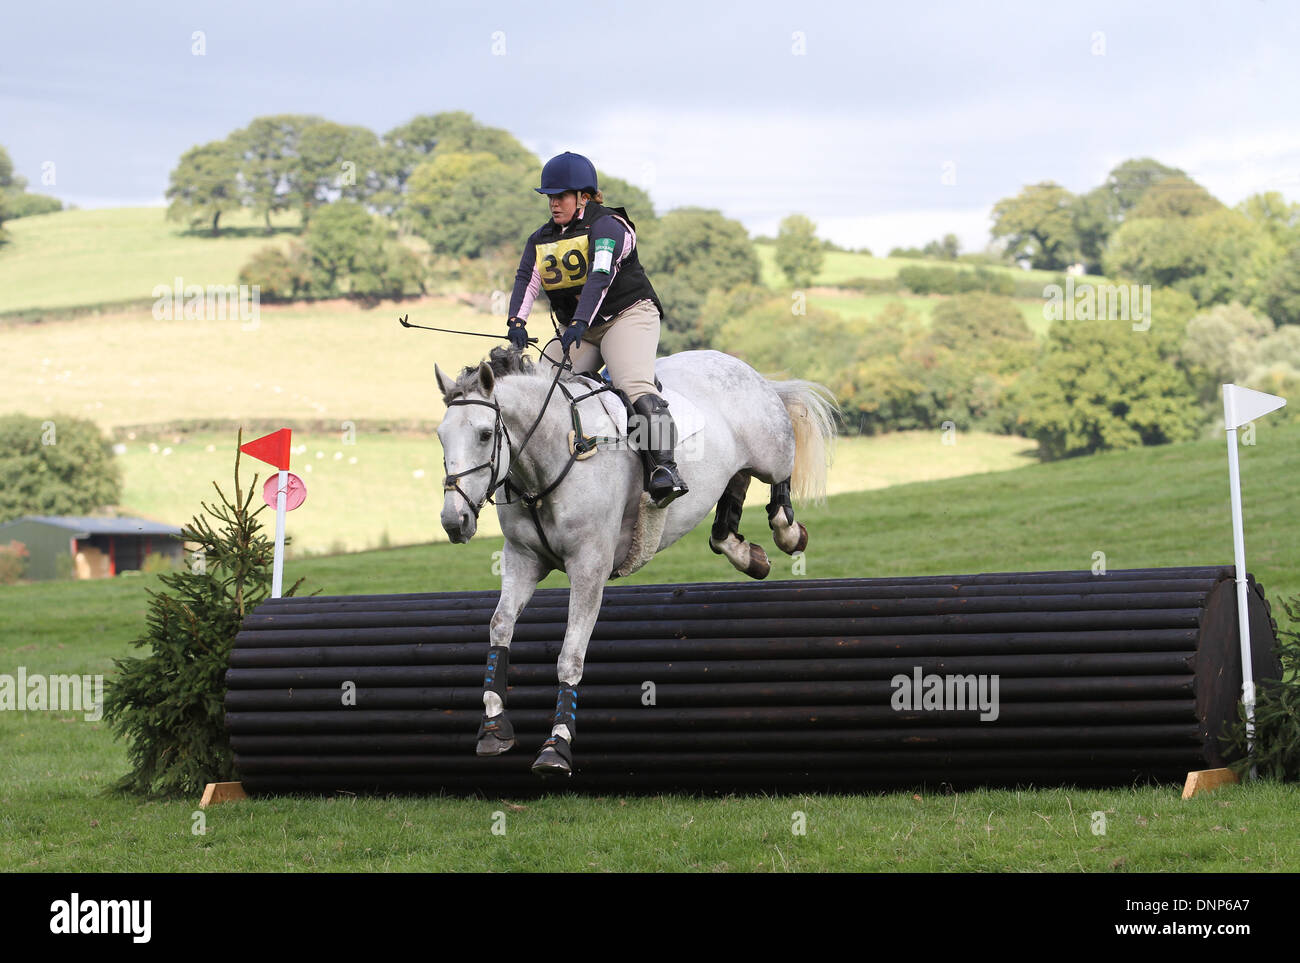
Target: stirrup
[{"x": 663, "y": 490}]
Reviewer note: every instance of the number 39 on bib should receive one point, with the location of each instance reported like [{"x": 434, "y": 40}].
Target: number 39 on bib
[{"x": 563, "y": 263}]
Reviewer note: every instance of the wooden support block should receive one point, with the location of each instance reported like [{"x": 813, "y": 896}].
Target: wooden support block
[
  {"x": 219, "y": 792},
  {"x": 1206, "y": 780}
]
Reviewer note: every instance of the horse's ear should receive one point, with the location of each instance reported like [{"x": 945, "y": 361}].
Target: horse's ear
[
  {"x": 485, "y": 378},
  {"x": 444, "y": 383}
]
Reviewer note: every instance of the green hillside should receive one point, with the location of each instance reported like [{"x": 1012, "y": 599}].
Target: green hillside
[
  {"x": 841, "y": 266},
  {"x": 1158, "y": 506},
  {"x": 72, "y": 258},
  {"x": 368, "y": 486}
]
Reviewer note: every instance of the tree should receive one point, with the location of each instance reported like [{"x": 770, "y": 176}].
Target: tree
[
  {"x": 1237, "y": 257},
  {"x": 799, "y": 255},
  {"x": 1096, "y": 215},
  {"x": 1038, "y": 224},
  {"x": 386, "y": 270},
  {"x": 347, "y": 245},
  {"x": 334, "y": 161},
  {"x": 1223, "y": 344},
  {"x": 14, "y": 201},
  {"x": 1175, "y": 196},
  {"x": 1130, "y": 181},
  {"x": 619, "y": 193},
  {"x": 279, "y": 275},
  {"x": 337, "y": 241},
  {"x": 1160, "y": 252},
  {"x": 27, "y": 205},
  {"x": 1217, "y": 257},
  {"x": 691, "y": 251},
  {"x": 947, "y": 248},
  {"x": 55, "y": 466},
  {"x": 1271, "y": 211},
  {"x": 8, "y": 186},
  {"x": 407, "y": 147},
  {"x": 1102, "y": 386},
  {"x": 169, "y": 704},
  {"x": 268, "y": 151},
  {"x": 205, "y": 184},
  {"x": 978, "y": 322},
  {"x": 8, "y": 182},
  {"x": 466, "y": 204},
  {"x": 1280, "y": 293}
]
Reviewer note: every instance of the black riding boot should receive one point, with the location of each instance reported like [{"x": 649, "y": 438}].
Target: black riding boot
[{"x": 661, "y": 438}]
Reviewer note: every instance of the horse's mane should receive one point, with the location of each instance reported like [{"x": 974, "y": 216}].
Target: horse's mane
[{"x": 504, "y": 362}]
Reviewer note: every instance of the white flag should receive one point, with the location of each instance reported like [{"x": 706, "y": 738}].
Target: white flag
[{"x": 1243, "y": 405}]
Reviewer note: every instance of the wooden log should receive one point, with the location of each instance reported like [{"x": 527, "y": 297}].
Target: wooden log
[{"x": 783, "y": 686}]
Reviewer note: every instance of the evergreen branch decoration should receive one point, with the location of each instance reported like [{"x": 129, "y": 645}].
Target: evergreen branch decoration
[
  {"x": 169, "y": 704},
  {"x": 1277, "y": 713}
]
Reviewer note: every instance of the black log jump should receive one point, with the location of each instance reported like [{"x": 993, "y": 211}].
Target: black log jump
[{"x": 779, "y": 686}]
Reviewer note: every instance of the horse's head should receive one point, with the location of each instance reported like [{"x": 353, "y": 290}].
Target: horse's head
[{"x": 475, "y": 454}]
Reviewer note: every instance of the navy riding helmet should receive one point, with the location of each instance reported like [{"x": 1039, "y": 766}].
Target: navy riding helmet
[{"x": 567, "y": 172}]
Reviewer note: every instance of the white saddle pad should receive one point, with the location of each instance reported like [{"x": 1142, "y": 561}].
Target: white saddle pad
[{"x": 687, "y": 416}]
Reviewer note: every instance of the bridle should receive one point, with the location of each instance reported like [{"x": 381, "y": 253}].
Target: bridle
[
  {"x": 582, "y": 445},
  {"x": 452, "y": 482}
]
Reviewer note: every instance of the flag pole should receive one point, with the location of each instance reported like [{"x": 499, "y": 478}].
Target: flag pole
[
  {"x": 275, "y": 450},
  {"x": 1243, "y": 615},
  {"x": 277, "y": 571},
  {"x": 1241, "y": 406}
]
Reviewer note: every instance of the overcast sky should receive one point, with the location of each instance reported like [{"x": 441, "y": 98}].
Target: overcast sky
[{"x": 886, "y": 123}]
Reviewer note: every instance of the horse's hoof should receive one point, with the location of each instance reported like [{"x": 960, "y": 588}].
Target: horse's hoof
[
  {"x": 555, "y": 759},
  {"x": 495, "y": 736},
  {"x": 803, "y": 539},
  {"x": 493, "y": 746},
  {"x": 759, "y": 565}
]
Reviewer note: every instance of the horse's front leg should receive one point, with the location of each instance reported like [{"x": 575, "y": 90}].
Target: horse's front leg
[
  {"x": 520, "y": 573},
  {"x": 586, "y": 589}
]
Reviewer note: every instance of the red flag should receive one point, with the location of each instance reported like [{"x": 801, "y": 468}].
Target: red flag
[{"x": 272, "y": 449}]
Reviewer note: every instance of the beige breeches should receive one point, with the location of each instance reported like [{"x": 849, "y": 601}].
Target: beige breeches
[{"x": 627, "y": 344}]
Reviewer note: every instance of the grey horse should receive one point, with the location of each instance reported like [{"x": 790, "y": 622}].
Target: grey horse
[{"x": 779, "y": 432}]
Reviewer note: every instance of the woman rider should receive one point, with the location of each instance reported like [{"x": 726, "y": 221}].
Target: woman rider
[{"x": 585, "y": 259}]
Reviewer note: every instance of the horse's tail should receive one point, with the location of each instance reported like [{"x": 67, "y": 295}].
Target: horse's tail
[{"x": 812, "y": 410}]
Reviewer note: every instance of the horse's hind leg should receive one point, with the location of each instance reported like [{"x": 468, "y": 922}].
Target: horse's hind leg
[
  {"x": 790, "y": 536},
  {"x": 725, "y": 539}
]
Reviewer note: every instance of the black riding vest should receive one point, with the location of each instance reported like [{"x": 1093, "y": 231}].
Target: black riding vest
[{"x": 563, "y": 260}]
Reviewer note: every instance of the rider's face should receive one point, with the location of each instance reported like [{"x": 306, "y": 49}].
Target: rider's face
[{"x": 564, "y": 206}]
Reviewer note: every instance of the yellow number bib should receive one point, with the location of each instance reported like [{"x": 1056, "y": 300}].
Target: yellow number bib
[{"x": 563, "y": 263}]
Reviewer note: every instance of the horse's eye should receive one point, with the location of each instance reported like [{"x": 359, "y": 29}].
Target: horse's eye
[{"x": 485, "y": 435}]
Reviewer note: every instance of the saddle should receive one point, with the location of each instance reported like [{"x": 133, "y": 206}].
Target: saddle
[{"x": 597, "y": 381}]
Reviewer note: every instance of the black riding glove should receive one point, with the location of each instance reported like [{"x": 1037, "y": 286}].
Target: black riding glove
[
  {"x": 572, "y": 335},
  {"x": 517, "y": 331}
]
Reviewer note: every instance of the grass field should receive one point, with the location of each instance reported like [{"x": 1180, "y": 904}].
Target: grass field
[
  {"x": 389, "y": 483},
  {"x": 72, "y": 258},
  {"x": 841, "y": 266},
  {"x": 1156, "y": 506},
  {"x": 332, "y": 360},
  {"x": 865, "y": 308},
  {"x": 88, "y": 257}
]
